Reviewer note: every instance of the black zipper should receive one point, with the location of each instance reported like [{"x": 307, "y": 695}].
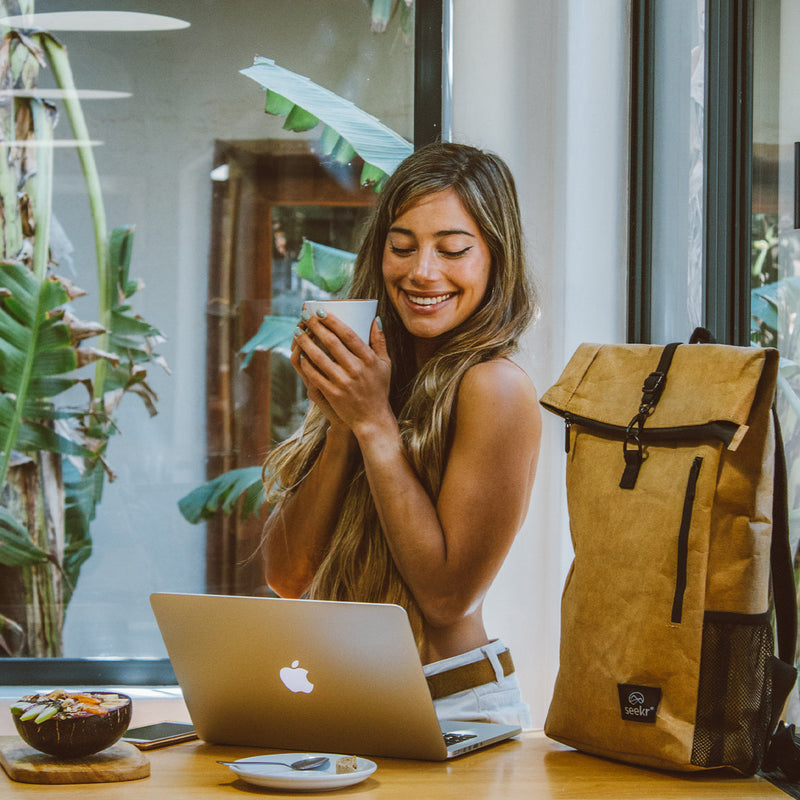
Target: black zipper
[
  {"x": 719, "y": 429},
  {"x": 683, "y": 541}
]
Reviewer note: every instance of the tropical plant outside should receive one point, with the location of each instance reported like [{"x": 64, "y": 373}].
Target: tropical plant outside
[
  {"x": 59, "y": 394},
  {"x": 775, "y": 303},
  {"x": 347, "y": 132},
  {"x": 241, "y": 490}
]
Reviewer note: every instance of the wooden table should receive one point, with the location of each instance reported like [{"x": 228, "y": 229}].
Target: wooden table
[{"x": 531, "y": 767}]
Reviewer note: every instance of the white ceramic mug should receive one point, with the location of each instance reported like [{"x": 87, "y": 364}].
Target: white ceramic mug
[{"x": 356, "y": 314}]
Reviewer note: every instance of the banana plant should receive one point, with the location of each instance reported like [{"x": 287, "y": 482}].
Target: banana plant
[
  {"x": 242, "y": 490},
  {"x": 327, "y": 268},
  {"x": 347, "y": 130},
  {"x": 381, "y": 11},
  {"x": 60, "y": 437}
]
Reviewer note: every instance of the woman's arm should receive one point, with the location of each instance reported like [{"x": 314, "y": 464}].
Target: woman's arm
[
  {"x": 448, "y": 552},
  {"x": 298, "y": 530}
]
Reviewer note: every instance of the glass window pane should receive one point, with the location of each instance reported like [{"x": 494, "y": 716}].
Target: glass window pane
[
  {"x": 186, "y": 155},
  {"x": 775, "y": 255},
  {"x": 677, "y": 244}
]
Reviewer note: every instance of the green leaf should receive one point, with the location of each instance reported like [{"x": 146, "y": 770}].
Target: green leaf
[
  {"x": 35, "y": 348},
  {"x": 224, "y": 492},
  {"x": 82, "y": 495},
  {"x": 328, "y": 140},
  {"x": 299, "y": 120},
  {"x": 407, "y": 21},
  {"x": 273, "y": 332},
  {"x": 16, "y": 547},
  {"x": 277, "y": 104},
  {"x": 33, "y": 435},
  {"x": 372, "y": 176},
  {"x": 764, "y": 308},
  {"x": 129, "y": 336},
  {"x": 380, "y": 13},
  {"x": 120, "y": 250},
  {"x": 326, "y": 267},
  {"x": 123, "y": 324},
  {"x": 376, "y": 143}
]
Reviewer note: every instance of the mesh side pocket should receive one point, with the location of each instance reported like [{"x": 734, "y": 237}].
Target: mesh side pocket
[{"x": 734, "y": 698}]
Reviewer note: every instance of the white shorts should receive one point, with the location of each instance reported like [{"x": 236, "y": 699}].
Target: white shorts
[{"x": 499, "y": 701}]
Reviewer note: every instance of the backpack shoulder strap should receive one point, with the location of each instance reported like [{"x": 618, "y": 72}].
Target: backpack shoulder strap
[{"x": 783, "y": 585}]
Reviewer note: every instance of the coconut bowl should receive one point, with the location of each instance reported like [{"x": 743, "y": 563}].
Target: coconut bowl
[{"x": 72, "y": 724}]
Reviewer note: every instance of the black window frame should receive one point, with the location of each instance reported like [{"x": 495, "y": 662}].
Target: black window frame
[{"x": 432, "y": 46}]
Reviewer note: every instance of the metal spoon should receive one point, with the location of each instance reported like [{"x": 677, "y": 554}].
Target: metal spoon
[{"x": 310, "y": 762}]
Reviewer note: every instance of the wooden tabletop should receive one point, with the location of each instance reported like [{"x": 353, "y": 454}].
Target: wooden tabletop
[{"x": 530, "y": 767}]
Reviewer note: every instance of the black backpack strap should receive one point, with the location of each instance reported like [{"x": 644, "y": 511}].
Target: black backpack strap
[
  {"x": 783, "y": 749},
  {"x": 702, "y": 336},
  {"x": 783, "y": 586},
  {"x": 652, "y": 390}
]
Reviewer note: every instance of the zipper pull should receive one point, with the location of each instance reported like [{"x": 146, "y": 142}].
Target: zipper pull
[{"x": 567, "y": 426}]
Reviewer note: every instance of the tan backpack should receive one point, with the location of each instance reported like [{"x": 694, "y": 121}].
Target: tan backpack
[{"x": 666, "y": 654}]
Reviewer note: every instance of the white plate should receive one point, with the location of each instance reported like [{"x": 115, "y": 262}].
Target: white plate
[{"x": 274, "y": 776}]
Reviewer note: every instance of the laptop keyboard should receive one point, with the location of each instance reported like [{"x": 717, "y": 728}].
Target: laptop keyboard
[{"x": 455, "y": 738}]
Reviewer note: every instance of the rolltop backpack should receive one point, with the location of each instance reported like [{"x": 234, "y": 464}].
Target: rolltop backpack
[{"x": 676, "y": 492}]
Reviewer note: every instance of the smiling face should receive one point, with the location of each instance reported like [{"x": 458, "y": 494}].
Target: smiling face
[{"x": 436, "y": 268}]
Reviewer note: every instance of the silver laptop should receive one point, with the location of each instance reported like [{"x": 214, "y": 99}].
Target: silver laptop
[{"x": 308, "y": 675}]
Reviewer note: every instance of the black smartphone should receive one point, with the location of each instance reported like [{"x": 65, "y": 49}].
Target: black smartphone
[{"x": 160, "y": 734}]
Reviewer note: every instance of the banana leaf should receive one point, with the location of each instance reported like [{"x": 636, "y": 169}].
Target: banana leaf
[
  {"x": 82, "y": 495},
  {"x": 348, "y": 129},
  {"x": 326, "y": 267},
  {"x": 16, "y": 547},
  {"x": 130, "y": 339},
  {"x": 380, "y": 13},
  {"x": 223, "y": 493},
  {"x": 35, "y": 354},
  {"x": 763, "y": 307},
  {"x": 273, "y": 332},
  {"x": 766, "y": 300},
  {"x": 129, "y": 334}
]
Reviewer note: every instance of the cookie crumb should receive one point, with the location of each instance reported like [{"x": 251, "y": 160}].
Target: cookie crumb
[{"x": 346, "y": 764}]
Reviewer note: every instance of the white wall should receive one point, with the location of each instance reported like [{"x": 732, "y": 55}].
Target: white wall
[{"x": 544, "y": 83}]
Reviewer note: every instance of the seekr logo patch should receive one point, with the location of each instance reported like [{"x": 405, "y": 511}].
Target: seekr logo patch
[{"x": 638, "y": 703}]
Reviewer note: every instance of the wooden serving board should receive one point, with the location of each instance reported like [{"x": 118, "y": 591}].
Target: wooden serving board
[{"x": 120, "y": 762}]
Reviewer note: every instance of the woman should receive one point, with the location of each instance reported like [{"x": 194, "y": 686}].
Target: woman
[{"x": 413, "y": 470}]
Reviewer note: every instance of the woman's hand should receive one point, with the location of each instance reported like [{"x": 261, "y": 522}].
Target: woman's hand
[{"x": 348, "y": 379}]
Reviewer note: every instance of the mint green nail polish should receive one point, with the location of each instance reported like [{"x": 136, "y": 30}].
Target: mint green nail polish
[
  {"x": 298, "y": 331},
  {"x": 379, "y": 323},
  {"x": 306, "y": 315},
  {"x": 322, "y": 313}
]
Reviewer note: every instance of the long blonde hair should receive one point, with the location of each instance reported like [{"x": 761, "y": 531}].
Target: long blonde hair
[{"x": 358, "y": 565}]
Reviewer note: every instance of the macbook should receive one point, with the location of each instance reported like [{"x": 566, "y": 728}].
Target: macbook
[{"x": 308, "y": 675}]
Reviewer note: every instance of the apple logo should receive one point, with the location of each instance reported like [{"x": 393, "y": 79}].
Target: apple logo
[{"x": 295, "y": 680}]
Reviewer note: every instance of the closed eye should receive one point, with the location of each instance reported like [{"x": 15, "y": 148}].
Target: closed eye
[
  {"x": 455, "y": 253},
  {"x": 401, "y": 251}
]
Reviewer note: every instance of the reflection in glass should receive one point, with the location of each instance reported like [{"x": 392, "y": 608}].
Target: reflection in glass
[
  {"x": 775, "y": 242},
  {"x": 184, "y": 96},
  {"x": 677, "y": 250}
]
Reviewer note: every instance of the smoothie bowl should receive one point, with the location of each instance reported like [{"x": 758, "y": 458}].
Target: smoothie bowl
[{"x": 72, "y": 724}]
